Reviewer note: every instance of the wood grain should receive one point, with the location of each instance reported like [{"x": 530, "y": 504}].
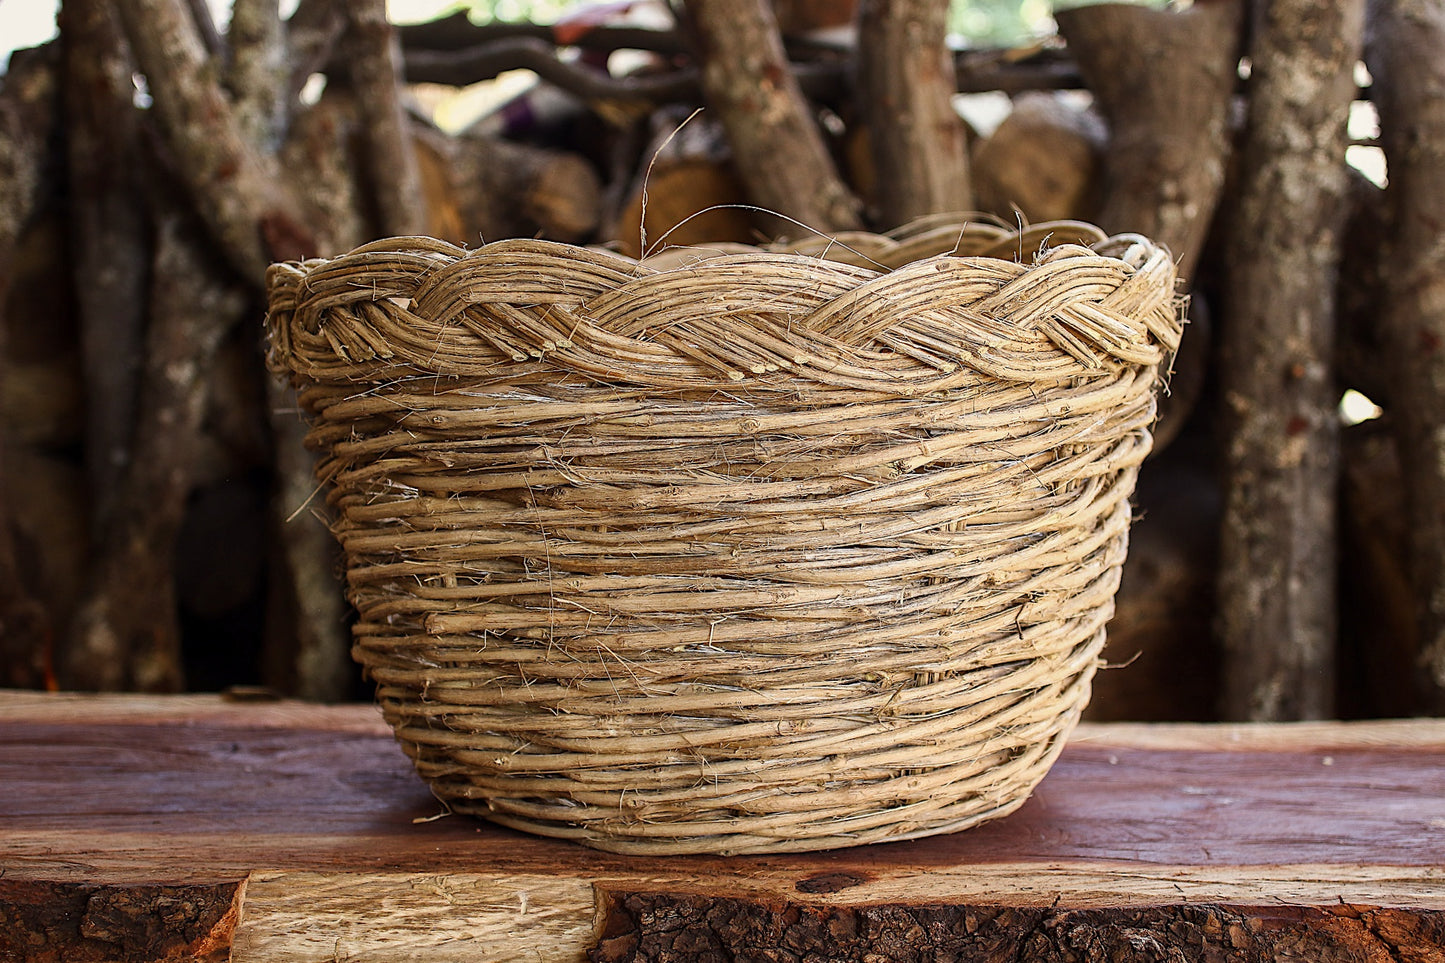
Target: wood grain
[{"x": 314, "y": 810}]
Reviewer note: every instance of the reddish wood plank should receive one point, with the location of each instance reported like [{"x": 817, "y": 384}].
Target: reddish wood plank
[{"x": 139, "y": 787}]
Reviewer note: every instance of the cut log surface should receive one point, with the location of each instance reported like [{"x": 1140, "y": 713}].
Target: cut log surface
[{"x": 143, "y": 828}]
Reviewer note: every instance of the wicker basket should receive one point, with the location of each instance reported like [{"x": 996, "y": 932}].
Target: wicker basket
[{"x": 733, "y": 550}]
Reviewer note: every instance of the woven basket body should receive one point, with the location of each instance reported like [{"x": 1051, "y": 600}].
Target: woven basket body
[{"x": 732, "y": 551}]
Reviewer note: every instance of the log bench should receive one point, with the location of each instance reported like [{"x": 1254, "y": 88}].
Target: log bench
[{"x": 199, "y": 827}]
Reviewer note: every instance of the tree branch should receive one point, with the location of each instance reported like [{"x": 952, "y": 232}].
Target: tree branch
[
  {"x": 119, "y": 643},
  {"x": 485, "y": 61},
  {"x": 239, "y": 195},
  {"x": 110, "y": 238},
  {"x": 206, "y": 28},
  {"x": 375, "y": 68},
  {"x": 1164, "y": 81},
  {"x": 823, "y": 71},
  {"x": 778, "y": 150},
  {"x": 28, "y": 117},
  {"x": 258, "y": 72},
  {"x": 906, "y": 80},
  {"x": 312, "y": 34},
  {"x": 457, "y": 33}
]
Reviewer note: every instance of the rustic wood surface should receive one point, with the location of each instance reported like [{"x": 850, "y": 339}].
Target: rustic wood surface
[{"x": 136, "y": 827}]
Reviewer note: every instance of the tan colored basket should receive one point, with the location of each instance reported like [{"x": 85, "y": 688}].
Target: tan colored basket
[{"x": 733, "y": 551}]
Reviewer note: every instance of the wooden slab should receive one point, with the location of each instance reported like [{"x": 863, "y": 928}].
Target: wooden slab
[{"x": 192, "y": 827}]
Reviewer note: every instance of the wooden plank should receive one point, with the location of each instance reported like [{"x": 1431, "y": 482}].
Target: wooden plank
[
  {"x": 309, "y": 824},
  {"x": 300, "y": 917}
]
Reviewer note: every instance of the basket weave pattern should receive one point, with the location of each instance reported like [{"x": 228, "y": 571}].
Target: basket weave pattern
[{"x": 736, "y": 551}]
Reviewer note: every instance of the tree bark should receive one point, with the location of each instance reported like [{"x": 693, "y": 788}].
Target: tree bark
[
  {"x": 27, "y": 119},
  {"x": 643, "y": 927},
  {"x": 1045, "y": 161},
  {"x": 308, "y": 647},
  {"x": 905, "y": 88},
  {"x": 312, "y": 34},
  {"x": 239, "y": 194},
  {"x": 28, "y": 116},
  {"x": 110, "y": 238},
  {"x": 257, "y": 78},
  {"x": 375, "y": 65},
  {"x": 306, "y": 651},
  {"x": 1163, "y": 80},
  {"x": 454, "y": 50},
  {"x": 777, "y": 148},
  {"x": 126, "y": 635},
  {"x": 1406, "y": 37},
  {"x": 1277, "y": 584},
  {"x": 686, "y": 170},
  {"x": 485, "y": 188}
]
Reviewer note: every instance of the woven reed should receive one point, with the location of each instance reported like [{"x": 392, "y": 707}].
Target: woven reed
[{"x": 732, "y": 550}]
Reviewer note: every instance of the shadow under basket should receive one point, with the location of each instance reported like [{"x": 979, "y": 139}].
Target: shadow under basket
[{"x": 733, "y": 550}]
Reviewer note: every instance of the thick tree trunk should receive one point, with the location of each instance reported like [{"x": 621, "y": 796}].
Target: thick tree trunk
[
  {"x": 1277, "y": 582},
  {"x": 126, "y": 635},
  {"x": 1162, "y": 79},
  {"x": 905, "y": 87},
  {"x": 28, "y": 116},
  {"x": 110, "y": 238},
  {"x": 1406, "y": 40},
  {"x": 777, "y": 148}
]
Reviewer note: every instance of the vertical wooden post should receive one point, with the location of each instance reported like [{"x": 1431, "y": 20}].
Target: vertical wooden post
[
  {"x": 1277, "y": 582},
  {"x": 1407, "y": 38},
  {"x": 376, "y": 72},
  {"x": 905, "y": 89},
  {"x": 1163, "y": 80},
  {"x": 777, "y": 148}
]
